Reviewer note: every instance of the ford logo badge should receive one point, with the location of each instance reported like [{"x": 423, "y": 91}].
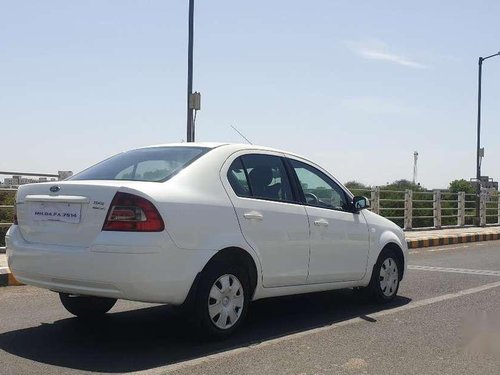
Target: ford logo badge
[{"x": 54, "y": 189}]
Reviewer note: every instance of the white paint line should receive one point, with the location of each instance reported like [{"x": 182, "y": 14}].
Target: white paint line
[
  {"x": 448, "y": 248},
  {"x": 455, "y": 270},
  {"x": 4, "y": 270},
  {"x": 431, "y": 250},
  {"x": 293, "y": 336}
]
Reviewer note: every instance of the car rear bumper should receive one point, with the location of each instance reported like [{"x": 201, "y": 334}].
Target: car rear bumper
[{"x": 162, "y": 274}]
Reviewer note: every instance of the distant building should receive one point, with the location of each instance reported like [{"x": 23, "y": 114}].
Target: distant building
[
  {"x": 15, "y": 181},
  {"x": 486, "y": 183}
]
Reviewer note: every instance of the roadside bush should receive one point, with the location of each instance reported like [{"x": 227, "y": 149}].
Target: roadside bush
[{"x": 7, "y": 198}]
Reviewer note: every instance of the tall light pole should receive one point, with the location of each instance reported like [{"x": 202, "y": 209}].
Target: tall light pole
[
  {"x": 190, "y": 123},
  {"x": 480, "y": 152}
]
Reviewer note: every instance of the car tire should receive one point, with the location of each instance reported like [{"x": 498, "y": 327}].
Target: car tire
[
  {"x": 384, "y": 283},
  {"x": 222, "y": 299},
  {"x": 86, "y": 306}
]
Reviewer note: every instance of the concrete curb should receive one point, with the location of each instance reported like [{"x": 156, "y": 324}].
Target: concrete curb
[
  {"x": 7, "y": 279},
  {"x": 451, "y": 239}
]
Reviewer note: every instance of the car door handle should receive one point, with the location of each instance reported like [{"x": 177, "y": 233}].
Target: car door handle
[
  {"x": 253, "y": 215},
  {"x": 321, "y": 223}
]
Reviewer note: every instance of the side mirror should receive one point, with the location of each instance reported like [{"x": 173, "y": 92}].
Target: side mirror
[{"x": 360, "y": 203}]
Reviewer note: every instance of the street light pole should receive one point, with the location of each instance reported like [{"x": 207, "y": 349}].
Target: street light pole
[
  {"x": 190, "y": 124},
  {"x": 478, "y": 157},
  {"x": 478, "y": 151}
]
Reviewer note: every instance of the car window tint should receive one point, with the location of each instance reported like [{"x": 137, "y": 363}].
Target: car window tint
[
  {"x": 125, "y": 173},
  {"x": 238, "y": 179},
  {"x": 319, "y": 190},
  {"x": 147, "y": 164},
  {"x": 267, "y": 177}
]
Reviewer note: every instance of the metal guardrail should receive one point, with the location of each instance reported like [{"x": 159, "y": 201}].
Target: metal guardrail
[
  {"x": 432, "y": 209},
  {"x": 5, "y": 207},
  {"x": 32, "y": 174}
]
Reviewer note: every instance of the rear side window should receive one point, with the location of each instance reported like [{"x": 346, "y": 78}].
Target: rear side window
[
  {"x": 260, "y": 176},
  {"x": 155, "y": 164},
  {"x": 237, "y": 178}
]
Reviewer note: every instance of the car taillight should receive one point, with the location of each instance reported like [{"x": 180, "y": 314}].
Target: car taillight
[
  {"x": 14, "y": 216},
  {"x": 132, "y": 213}
]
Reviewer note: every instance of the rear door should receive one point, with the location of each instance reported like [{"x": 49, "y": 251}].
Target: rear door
[
  {"x": 272, "y": 221},
  {"x": 339, "y": 238}
]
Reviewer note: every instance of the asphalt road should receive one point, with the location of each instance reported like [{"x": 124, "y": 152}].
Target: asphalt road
[{"x": 446, "y": 321}]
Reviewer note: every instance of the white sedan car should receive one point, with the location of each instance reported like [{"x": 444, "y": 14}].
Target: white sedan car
[{"x": 209, "y": 227}]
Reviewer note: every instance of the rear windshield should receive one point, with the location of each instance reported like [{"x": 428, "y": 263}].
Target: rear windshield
[{"x": 155, "y": 164}]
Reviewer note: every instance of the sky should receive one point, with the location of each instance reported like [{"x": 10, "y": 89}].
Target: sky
[{"x": 356, "y": 86}]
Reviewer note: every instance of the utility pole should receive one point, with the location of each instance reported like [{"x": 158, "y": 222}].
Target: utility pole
[
  {"x": 190, "y": 122},
  {"x": 479, "y": 150}
]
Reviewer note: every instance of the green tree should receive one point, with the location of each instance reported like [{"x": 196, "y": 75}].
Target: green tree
[
  {"x": 7, "y": 198},
  {"x": 358, "y": 188},
  {"x": 457, "y": 186},
  {"x": 401, "y": 185},
  {"x": 392, "y": 202},
  {"x": 356, "y": 185}
]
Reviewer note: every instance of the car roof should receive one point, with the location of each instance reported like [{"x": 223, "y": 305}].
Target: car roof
[
  {"x": 241, "y": 146},
  {"x": 233, "y": 147}
]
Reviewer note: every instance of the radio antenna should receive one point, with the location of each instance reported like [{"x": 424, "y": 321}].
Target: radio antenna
[{"x": 245, "y": 138}]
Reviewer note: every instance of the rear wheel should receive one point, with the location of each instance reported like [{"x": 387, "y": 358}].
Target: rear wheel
[
  {"x": 86, "y": 306},
  {"x": 385, "y": 279},
  {"x": 222, "y": 299}
]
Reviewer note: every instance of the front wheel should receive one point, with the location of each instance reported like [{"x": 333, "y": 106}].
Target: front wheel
[
  {"x": 222, "y": 299},
  {"x": 385, "y": 279},
  {"x": 86, "y": 306}
]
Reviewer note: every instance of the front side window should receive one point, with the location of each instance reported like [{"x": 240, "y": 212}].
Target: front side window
[
  {"x": 155, "y": 164},
  {"x": 319, "y": 190},
  {"x": 260, "y": 176}
]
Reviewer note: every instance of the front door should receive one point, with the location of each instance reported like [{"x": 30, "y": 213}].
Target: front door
[{"x": 339, "y": 238}]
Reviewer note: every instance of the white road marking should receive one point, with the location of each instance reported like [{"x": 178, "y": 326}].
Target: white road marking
[
  {"x": 293, "y": 336},
  {"x": 449, "y": 248},
  {"x": 440, "y": 249},
  {"x": 455, "y": 270}
]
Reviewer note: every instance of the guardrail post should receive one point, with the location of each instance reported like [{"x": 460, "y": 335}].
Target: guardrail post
[
  {"x": 408, "y": 213},
  {"x": 461, "y": 209},
  {"x": 498, "y": 209},
  {"x": 482, "y": 209},
  {"x": 436, "y": 203},
  {"x": 375, "y": 199}
]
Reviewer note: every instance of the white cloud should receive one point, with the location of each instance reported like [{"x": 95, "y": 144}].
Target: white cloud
[{"x": 373, "y": 49}]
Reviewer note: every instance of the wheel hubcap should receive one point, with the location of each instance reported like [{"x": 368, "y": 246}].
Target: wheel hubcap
[
  {"x": 389, "y": 277},
  {"x": 225, "y": 301}
]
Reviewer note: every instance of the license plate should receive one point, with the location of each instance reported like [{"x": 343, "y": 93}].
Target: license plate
[{"x": 65, "y": 212}]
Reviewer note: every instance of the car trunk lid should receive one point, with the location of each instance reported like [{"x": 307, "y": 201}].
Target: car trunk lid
[{"x": 68, "y": 213}]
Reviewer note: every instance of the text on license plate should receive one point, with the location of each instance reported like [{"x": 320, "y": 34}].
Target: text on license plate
[{"x": 65, "y": 212}]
